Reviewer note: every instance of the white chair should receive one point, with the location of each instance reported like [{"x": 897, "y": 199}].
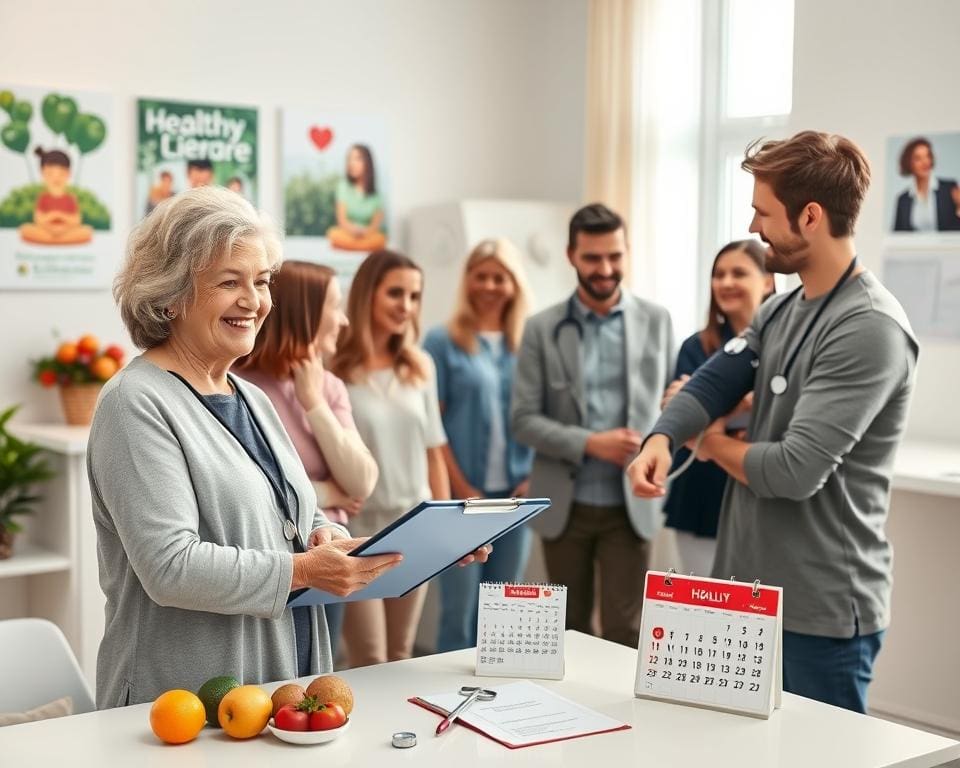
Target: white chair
[{"x": 37, "y": 666}]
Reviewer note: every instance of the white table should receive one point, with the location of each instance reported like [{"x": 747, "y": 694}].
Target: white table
[{"x": 599, "y": 675}]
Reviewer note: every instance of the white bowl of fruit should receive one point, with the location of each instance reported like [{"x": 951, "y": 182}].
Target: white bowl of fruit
[{"x": 315, "y": 715}]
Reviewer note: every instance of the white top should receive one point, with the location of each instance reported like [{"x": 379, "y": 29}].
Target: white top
[
  {"x": 397, "y": 422},
  {"x": 599, "y": 675},
  {"x": 497, "y": 478},
  {"x": 923, "y": 212}
]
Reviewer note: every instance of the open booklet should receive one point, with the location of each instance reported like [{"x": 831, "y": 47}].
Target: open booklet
[{"x": 524, "y": 714}]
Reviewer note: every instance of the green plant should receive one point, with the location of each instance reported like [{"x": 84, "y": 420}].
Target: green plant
[{"x": 22, "y": 467}]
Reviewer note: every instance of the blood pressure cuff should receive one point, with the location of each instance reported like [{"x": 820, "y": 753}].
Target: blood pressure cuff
[{"x": 722, "y": 382}]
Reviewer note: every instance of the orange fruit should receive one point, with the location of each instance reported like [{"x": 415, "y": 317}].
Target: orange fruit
[
  {"x": 66, "y": 353},
  {"x": 104, "y": 367},
  {"x": 177, "y": 716},
  {"x": 244, "y": 711},
  {"x": 89, "y": 344}
]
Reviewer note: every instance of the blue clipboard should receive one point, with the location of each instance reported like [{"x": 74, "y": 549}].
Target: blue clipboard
[{"x": 432, "y": 537}]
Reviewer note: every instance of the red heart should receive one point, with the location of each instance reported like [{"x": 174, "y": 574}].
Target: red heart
[{"x": 321, "y": 137}]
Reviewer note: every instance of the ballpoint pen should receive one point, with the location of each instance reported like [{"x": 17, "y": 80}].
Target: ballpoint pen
[{"x": 472, "y": 694}]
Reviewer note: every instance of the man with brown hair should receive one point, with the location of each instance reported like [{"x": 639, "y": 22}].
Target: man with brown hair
[{"x": 831, "y": 367}]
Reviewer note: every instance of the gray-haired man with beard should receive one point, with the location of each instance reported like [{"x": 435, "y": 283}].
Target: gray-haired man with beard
[{"x": 589, "y": 378}]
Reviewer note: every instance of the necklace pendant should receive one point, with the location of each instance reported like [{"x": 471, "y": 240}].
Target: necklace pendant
[{"x": 289, "y": 530}]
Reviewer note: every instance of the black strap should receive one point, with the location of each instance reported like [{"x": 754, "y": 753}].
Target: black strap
[
  {"x": 833, "y": 292},
  {"x": 279, "y": 492}
]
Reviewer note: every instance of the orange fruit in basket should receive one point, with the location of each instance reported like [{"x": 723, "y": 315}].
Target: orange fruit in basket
[
  {"x": 177, "y": 716},
  {"x": 89, "y": 344},
  {"x": 66, "y": 353},
  {"x": 104, "y": 367}
]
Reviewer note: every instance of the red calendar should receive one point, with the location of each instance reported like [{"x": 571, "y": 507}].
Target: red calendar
[{"x": 711, "y": 643}]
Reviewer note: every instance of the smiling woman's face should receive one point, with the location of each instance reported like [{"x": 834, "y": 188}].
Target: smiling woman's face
[
  {"x": 233, "y": 298},
  {"x": 396, "y": 301}
]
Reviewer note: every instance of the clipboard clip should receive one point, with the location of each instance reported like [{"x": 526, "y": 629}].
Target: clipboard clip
[{"x": 489, "y": 506}]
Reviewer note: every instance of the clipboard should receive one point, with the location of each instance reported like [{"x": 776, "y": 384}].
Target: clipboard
[{"x": 432, "y": 537}]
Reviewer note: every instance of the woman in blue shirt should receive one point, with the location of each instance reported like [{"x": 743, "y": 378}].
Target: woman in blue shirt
[
  {"x": 738, "y": 285},
  {"x": 474, "y": 356}
]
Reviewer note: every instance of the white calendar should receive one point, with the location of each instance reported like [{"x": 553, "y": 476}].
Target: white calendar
[
  {"x": 520, "y": 630},
  {"x": 711, "y": 643}
]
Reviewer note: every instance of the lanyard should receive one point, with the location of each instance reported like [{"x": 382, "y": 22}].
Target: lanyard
[
  {"x": 778, "y": 384},
  {"x": 290, "y": 530}
]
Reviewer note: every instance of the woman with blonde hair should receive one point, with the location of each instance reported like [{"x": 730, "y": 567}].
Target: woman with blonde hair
[
  {"x": 474, "y": 356},
  {"x": 392, "y": 386}
]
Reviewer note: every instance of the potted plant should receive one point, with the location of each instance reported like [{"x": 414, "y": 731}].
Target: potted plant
[
  {"x": 21, "y": 468},
  {"x": 79, "y": 369}
]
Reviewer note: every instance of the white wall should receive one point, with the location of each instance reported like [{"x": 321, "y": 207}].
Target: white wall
[
  {"x": 482, "y": 98},
  {"x": 868, "y": 71}
]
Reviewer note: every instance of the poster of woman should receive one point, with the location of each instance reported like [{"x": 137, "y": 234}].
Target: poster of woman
[
  {"x": 335, "y": 182},
  {"x": 56, "y": 189},
  {"x": 922, "y": 193}
]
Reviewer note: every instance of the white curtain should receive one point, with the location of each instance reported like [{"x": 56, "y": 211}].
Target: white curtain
[{"x": 643, "y": 140}]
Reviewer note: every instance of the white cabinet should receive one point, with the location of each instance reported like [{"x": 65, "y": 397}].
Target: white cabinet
[{"x": 53, "y": 571}]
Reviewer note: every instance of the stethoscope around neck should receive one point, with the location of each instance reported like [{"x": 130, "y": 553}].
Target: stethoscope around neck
[
  {"x": 780, "y": 381},
  {"x": 569, "y": 318}
]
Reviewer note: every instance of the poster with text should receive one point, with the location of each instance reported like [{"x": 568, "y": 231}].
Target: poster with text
[
  {"x": 336, "y": 199},
  {"x": 181, "y": 145},
  {"x": 921, "y": 195},
  {"x": 56, "y": 189}
]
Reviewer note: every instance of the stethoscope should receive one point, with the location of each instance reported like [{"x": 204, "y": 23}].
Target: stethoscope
[
  {"x": 569, "y": 317},
  {"x": 290, "y": 530},
  {"x": 780, "y": 381}
]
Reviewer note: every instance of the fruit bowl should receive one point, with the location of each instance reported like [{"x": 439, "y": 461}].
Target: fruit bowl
[{"x": 307, "y": 737}]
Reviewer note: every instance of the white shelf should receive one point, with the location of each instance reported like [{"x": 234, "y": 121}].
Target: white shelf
[
  {"x": 927, "y": 467},
  {"x": 71, "y": 441},
  {"x": 29, "y": 559}
]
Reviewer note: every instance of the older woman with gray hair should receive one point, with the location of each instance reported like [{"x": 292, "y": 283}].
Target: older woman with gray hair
[{"x": 206, "y": 520}]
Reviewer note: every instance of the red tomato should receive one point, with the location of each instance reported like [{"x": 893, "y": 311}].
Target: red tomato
[
  {"x": 48, "y": 378},
  {"x": 289, "y": 718},
  {"x": 329, "y": 716},
  {"x": 115, "y": 352}
]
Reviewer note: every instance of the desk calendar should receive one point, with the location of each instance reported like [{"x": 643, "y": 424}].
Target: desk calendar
[
  {"x": 520, "y": 630},
  {"x": 711, "y": 643}
]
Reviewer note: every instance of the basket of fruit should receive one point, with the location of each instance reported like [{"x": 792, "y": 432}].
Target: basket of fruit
[{"x": 79, "y": 368}]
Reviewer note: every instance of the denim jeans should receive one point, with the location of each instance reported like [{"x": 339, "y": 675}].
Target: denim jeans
[
  {"x": 460, "y": 588},
  {"x": 334, "y": 613},
  {"x": 832, "y": 670}
]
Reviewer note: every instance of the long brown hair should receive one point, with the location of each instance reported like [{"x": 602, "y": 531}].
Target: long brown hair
[
  {"x": 711, "y": 337},
  {"x": 356, "y": 347},
  {"x": 299, "y": 291},
  {"x": 463, "y": 324}
]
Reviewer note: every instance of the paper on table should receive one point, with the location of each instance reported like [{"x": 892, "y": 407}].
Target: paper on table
[{"x": 524, "y": 714}]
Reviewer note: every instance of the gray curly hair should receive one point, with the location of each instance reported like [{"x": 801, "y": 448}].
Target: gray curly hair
[{"x": 181, "y": 238}]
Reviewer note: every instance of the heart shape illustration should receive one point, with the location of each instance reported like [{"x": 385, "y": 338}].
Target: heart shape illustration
[{"x": 321, "y": 137}]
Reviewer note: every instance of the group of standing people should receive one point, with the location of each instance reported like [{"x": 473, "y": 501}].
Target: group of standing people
[{"x": 265, "y": 427}]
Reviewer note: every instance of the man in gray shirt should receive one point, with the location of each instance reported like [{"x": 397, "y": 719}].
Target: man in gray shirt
[
  {"x": 831, "y": 366},
  {"x": 589, "y": 377}
]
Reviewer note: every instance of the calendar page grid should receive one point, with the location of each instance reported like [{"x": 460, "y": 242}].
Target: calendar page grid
[
  {"x": 706, "y": 655},
  {"x": 520, "y": 630}
]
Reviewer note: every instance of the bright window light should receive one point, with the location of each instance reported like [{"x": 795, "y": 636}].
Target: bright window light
[
  {"x": 739, "y": 199},
  {"x": 758, "y": 58}
]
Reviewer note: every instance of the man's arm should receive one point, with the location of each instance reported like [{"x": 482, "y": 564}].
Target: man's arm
[{"x": 863, "y": 363}]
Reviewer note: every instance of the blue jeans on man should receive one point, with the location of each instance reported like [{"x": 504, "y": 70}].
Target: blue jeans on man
[{"x": 832, "y": 670}]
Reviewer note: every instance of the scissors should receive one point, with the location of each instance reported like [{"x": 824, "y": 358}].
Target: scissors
[{"x": 472, "y": 693}]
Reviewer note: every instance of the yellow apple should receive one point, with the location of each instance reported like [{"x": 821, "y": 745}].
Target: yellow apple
[{"x": 244, "y": 711}]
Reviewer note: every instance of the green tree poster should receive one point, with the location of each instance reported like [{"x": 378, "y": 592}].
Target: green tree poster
[{"x": 181, "y": 145}]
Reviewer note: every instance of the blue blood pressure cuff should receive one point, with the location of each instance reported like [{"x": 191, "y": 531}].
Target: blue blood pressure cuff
[{"x": 722, "y": 382}]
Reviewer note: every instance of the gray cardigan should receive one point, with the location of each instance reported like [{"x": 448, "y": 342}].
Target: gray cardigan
[{"x": 193, "y": 561}]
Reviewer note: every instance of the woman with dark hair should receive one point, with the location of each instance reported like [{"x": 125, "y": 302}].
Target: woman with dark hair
[
  {"x": 56, "y": 216},
  {"x": 738, "y": 285},
  {"x": 359, "y": 207},
  {"x": 930, "y": 204},
  {"x": 287, "y": 363}
]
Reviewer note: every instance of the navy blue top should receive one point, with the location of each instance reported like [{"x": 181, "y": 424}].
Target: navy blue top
[
  {"x": 235, "y": 414},
  {"x": 693, "y": 504},
  {"x": 467, "y": 387}
]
